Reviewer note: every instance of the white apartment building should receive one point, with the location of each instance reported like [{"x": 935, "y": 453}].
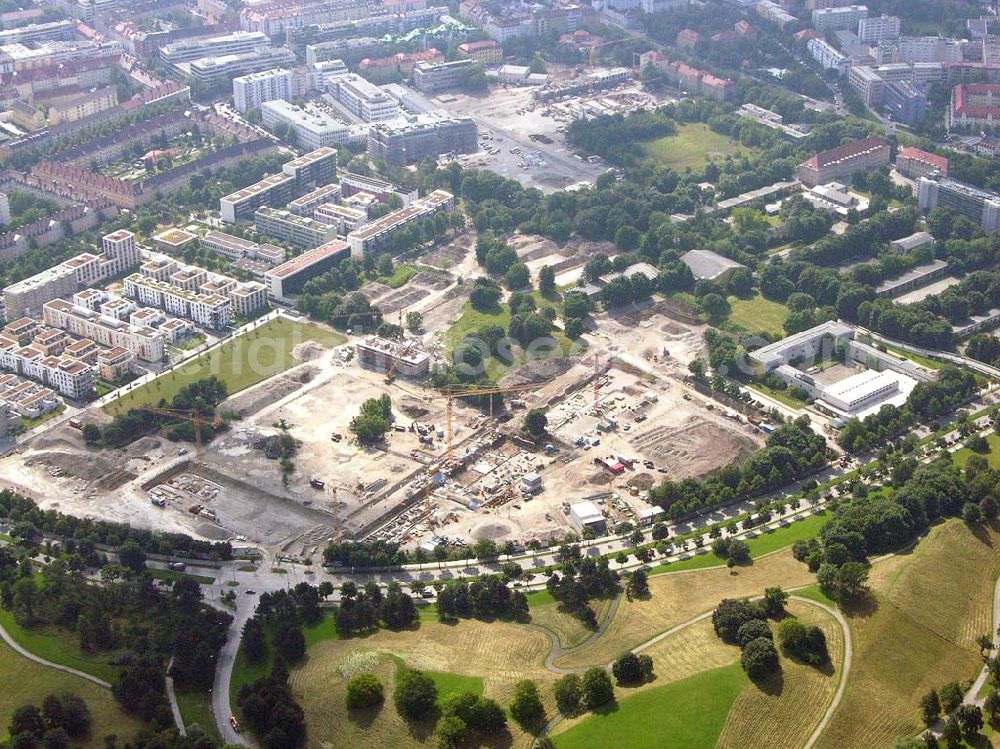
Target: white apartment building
[
  {"x": 364, "y": 99},
  {"x": 250, "y": 91},
  {"x": 4, "y": 209},
  {"x": 211, "y": 311},
  {"x": 828, "y": 56},
  {"x": 375, "y": 237},
  {"x": 146, "y": 343},
  {"x": 238, "y": 42},
  {"x": 878, "y": 28},
  {"x": 928, "y": 49},
  {"x": 837, "y": 19},
  {"x": 247, "y": 298}
]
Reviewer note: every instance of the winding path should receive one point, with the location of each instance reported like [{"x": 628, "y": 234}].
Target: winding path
[{"x": 42, "y": 662}]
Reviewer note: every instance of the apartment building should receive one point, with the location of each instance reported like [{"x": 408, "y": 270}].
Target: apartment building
[
  {"x": 314, "y": 128},
  {"x": 843, "y": 161},
  {"x": 285, "y": 226},
  {"x": 275, "y": 189},
  {"x": 980, "y": 206},
  {"x": 878, "y": 28},
  {"x": 914, "y": 163},
  {"x": 342, "y": 217},
  {"x": 115, "y": 363},
  {"x": 775, "y": 13},
  {"x": 212, "y": 311},
  {"x": 250, "y": 91},
  {"x": 828, "y": 56},
  {"x": 364, "y": 99},
  {"x": 237, "y": 248},
  {"x": 305, "y": 205},
  {"x": 835, "y": 19},
  {"x": 376, "y": 236},
  {"x": 486, "y": 52},
  {"x": 289, "y": 277},
  {"x": 209, "y": 70},
  {"x": 197, "y": 48},
  {"x": 146, "y": 343},
  {"x": 974, "y": 107},
  {"x": 409, "y": 143}
]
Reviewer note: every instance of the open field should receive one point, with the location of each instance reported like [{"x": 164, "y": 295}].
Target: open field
[
  {"x": 58, "y": 646},
  {"x": 26, "y": 683},
  {"x": 782, "y": 396},
  {"x": 498, "y": 653},
  {"x": 694, "y": 146},
  {"x": 708, "y": 696},
  {"x": 758, "y": 315},
  {"x": 961, "y": 457},
  {"x": 916, "y": 632},
  {"x": 679, "y": 597},
  {"x": 240, "y": 362},
  {"x": 196, "y": 708}
]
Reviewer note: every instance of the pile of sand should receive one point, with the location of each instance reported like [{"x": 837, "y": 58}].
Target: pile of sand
[
  {"x": 308, "y": 351},
  {"x": 491, "y": 530}
]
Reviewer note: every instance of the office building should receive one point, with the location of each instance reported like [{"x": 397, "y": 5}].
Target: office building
[
  {"x": 405, "y": 358},
  {"x": 364, "y": 99},
  {"x": 285, "y": 226},
  {"x": 4, "y": 209},
  {"x": 237, "y": 248},
  {"x": 289, "y": 277},
  {"x": 250, "y": 91},
  {"x": 775, "y": 13},
  {"x": 927, "y": 49},
  {"x": 409, "y": 143},
  {"x": 906, "y": 102},
  {"x": 914, "y": 278},
  {"x": 916, "y": 241},
  {"x": 430, "y": 78},
  {"x": 878, "y": 28},
  {"x": 835, "y": 19},
  {"x": 313, "y": 127},
  {"x": 196, "y": 48},
  {"x": 209, "y": 70},
  {"x": 486, "y": 52},
  {"x": 828, "y": 56},
  {"x": 842, "y": 162},
  {"x": 914, "y": 163},
  {"x": 976, "y": 204},
  {"x": 376, "y": 236}
]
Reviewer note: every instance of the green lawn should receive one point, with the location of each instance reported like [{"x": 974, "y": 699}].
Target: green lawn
[
  {"x": 782, "y": 396},
  {"x": 472, "y": 320},
  {"x": 400, "y": 275},
  {"x": 239, "y": 362},
  {"x": 32, "y": 423},
  {"x": 961, "y": 457},
  {"x": 172, "y": 576},
  {"x": 694, "y": 145},
  {"x": 921, "y": 360},
  {"x": 687, "y": 714},
  {"x": 446, "y": 683},
  {"x": 196, "y": 707},
  {"x": 770, "y": 541},
  {"x": 58, "y": 646},
  {"x": 758, "y": 315},
  {"x": 325, "y": 629}
]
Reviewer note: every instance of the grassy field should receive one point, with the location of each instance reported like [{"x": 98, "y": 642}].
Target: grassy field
[
  {"x": 916, "y": 631},
  {"x": 29, "y": 683},
  {"x": 961, "y": 457},
  {"x": 401, "y": 274},
  {"x": 546, "y": 612},
  {"x": 689, "y": 714},
  {"x": 694, "y": 145},
  {"x": 782, "y": 396},
  {"x": 921, "y": 360},
  {"x": 765, "y": 543},
  {"x": 172, "y": 575},
  {"x": 472, "y": 320},
  {"x": 196, "y": 707},
  {"x": 240, "y": 362},
  {"x": 462, "y": 655},
  {"x": 758, "y": 315},
  {"x": 58, "y": 646},
  {"x": 677, "y": 598}
]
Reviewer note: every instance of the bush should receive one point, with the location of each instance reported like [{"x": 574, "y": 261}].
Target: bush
[
  {"x": 759, "y": 658},
  {"x": 364, "y": 690},
  {"x": 416, "y": 695}
]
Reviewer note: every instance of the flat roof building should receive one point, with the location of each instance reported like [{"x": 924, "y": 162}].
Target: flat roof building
[
  {"x": 401, "y": 145},
  {"x": 376, "y": 236},
  {"x": 980, "y": 206},
  {"x": 313, "y": 127},
  {"x": 286, "y": 226},
  {"x": 708, "y": 265},
  {"x": 405, "y": 358},
  {"x": 289, "y": 277}
]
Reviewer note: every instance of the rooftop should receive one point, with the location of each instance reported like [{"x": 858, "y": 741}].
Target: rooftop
[
  {"x": 308, "y": 258},
  {"x": 708, "y": 264}
]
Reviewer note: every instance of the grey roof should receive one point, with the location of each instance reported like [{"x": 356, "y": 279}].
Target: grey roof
[
  {"x": 705, "y": 264},
  {"x": 913, "y": 242},
  {"x": 914, "y": 274}
]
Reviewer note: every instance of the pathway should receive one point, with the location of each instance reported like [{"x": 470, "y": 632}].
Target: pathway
[
  {"x": 172, "y": 696},
  {"x": 41, "y": 661},
  {"x": 972, "y": 696}
]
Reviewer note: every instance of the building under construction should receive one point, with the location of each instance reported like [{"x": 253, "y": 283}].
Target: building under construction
[{"x": 405, "y": 358}]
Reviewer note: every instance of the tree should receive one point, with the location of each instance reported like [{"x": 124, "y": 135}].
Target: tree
[
  {"x": 131, "y": 555},
  {"x": 970, "y": 720},
  {"x": 808, "y": 644},
  {"x": 363, "y": 690},
  {"x": 596, "y": 689},
  {"x": 774, "y": 601},
  {"x": 27, "y": 719},
  {"x": 568, "y": 692},
  {"x": 752, "y": 630},
  {"x": 535, "y": 423},
  {"x": 930, "y": 708},
  {"x": 55, "y": 738},
  {"x": 414, "y": 321},
  {"x": 526, "y": 707},
  {"x": 951, "y": 696},
  {"x": 416, "y": 695},
  {"x": 517, "y": 277},
  {"x": 451, "y": 732},
  {"x": 485, "y": 294},
  {"x": 547, "y": 280},
  {"x": 254, "y": 642},
  {"x": 638, "y": 585},
  {"x": 715, "y": 306},
  {"x": 759, "y": 658},
  {"x": 627, "y": 669},
  {"x": 374, "y": 420},
  {"x": 852, "y": 579},
  {"x": 91, "y": 433}
]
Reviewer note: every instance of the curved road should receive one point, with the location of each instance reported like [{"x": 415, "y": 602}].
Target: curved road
[{"x": 42, "y": 662}]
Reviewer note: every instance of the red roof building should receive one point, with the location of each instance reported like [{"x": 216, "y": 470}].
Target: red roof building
[
  {"x": 914, "y": 163},
  {"x": 975, "y": 105},
  {"x": 844, "y": 161},
  {"x": 689, "y": 38}
]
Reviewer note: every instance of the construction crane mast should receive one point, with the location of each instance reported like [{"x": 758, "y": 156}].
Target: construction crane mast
[{"x": 196, "y": 420}]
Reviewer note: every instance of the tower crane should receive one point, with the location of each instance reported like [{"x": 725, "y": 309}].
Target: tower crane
[{"x": 196, "y": 419}]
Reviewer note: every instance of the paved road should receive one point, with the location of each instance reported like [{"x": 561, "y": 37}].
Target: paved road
[
  {"x": 224, "y": 672},
  {"x": 844, "y": 671},
  {"x": 972, "y": 696},
  {"x": 41, "y": 661}
]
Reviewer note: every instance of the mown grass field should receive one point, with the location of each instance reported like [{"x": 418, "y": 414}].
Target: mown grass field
[
  {"x": 782, "y": 396},
  {"x": 545, "y": 612},
  {"x": 196, "y": 707},
  {"x": 58, "y": 646},
  {"x": 758, "y": 315},
  {"x": 961, "y": 457},
  {"x": 917, "y": 631},
  {"x": 694, "y": 146},
  {"x": 25, "y": 682},
  {"x": 765, "y": 543},
  {"x": 456, "y": 655},
  {"x": 401, "y": 274},
  {"x": 240, "y": 362},
  {"x": 687, "y": 714},
  {"x": 676, "y": 598}
]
